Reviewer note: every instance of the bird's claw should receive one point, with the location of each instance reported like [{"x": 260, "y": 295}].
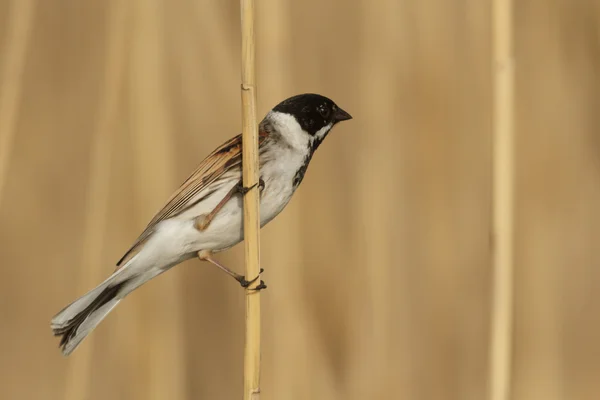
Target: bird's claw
[
  {"x": 245, "y": 283},
  {"x": 243, "y": 190},
  {"x": 260, "y": 286}
]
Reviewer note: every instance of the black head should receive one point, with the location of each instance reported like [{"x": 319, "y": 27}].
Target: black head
[{"x": 312, "y": 111}]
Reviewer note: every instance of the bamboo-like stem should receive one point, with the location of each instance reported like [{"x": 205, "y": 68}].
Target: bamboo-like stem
[
  {"x": 251, "y": 205},
  {"x": 19, "y": 24},
  {"x": 503, "y": 175}
]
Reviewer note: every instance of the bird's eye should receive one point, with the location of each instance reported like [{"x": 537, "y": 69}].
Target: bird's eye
[{"x": 324, "y": 111}]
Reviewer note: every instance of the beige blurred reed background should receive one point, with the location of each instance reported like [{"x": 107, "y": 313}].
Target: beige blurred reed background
[{"x": 379, "y": 270}]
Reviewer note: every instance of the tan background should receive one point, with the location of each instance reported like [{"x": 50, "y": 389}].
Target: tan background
[{"x": 379, "y": 270}]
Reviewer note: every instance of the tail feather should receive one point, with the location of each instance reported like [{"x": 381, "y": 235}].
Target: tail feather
[
  {"x": 79, "y": 318},
  {"x": 64, "y": 316},
  {"x": 74, "y": 322}
]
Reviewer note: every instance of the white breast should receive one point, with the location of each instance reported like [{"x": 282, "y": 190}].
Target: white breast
[
  {"x": 280, "y": 160},
  {"x": 278, "y": 175}
]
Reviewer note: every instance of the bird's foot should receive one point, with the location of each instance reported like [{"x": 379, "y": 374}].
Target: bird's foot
[
  {"x": 245, "y": 283},
  {"x": 243, "y": 190},
  {"x": 260, "y": 286}
]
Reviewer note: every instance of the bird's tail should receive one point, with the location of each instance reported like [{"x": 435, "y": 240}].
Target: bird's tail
[
  {"x": 74, "y": 322},
  {"x": 77, "y": 320}
]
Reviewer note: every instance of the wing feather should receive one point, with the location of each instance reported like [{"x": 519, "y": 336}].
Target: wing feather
[{"x": 223, "y": 159}]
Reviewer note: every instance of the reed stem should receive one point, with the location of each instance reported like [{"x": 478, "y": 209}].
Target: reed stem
[
  {"x": 503, "y": 175},
  {"x": 251, "y": 205}
]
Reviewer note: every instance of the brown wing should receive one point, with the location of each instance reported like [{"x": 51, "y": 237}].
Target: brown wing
[{"x": 223, "y": 159}]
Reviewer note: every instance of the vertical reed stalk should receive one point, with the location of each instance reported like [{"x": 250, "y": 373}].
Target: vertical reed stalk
[
  {"x": 503, "y": 175},
  {"x": 251, "y": 206}
]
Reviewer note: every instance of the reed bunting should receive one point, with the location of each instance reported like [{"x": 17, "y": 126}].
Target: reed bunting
[{"x": 204, "y": 215}]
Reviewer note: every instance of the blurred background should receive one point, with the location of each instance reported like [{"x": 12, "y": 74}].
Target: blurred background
[{"x": 379, "y": 270}]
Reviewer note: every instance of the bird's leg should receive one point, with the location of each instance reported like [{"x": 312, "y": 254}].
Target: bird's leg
[
  {"x": 243, "y": 190},
  {"x": 203, "y": 221},
  {"x": 207, "y": 256}
]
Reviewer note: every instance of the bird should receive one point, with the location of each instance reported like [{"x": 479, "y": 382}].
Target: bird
[{"x": 204, "y": 216}]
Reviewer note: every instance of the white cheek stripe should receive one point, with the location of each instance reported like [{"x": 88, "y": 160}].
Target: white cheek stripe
[
  {"x": 289, "y": 129},
  {"x": 321, "y": 132}
]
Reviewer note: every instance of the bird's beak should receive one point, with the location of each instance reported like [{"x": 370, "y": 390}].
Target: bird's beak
[{"x": 341, "y": 115}]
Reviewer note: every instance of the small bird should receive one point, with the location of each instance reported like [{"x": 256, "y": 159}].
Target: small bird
[{"x": 204, "y": 215}]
